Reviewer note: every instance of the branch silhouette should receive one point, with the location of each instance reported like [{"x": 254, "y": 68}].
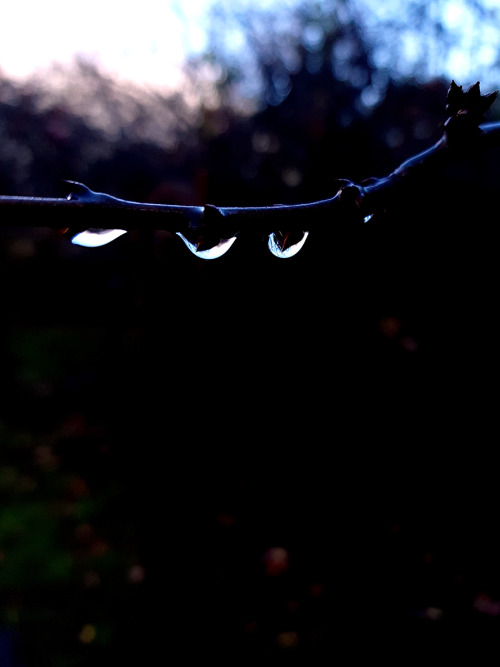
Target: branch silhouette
[{"x": 209, "y": 231}]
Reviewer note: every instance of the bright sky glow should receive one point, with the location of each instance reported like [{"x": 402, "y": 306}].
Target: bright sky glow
[{"x": 144, "y": 41}]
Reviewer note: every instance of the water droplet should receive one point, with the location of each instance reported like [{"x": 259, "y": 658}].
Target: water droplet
[
  {"x": 289, "y": 251},
  {"x": 211, "y": 253},
  {"x": 94, "y": 238}
]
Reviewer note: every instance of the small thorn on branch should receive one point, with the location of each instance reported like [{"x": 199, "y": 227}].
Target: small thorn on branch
[{"x": 78, "y": 191}]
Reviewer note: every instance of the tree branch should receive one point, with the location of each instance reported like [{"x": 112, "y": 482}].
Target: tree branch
[{"x": 209, "y": 230}]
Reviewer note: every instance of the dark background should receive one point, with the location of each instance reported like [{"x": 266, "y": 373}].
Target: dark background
[{"x": 249, "y": 458}]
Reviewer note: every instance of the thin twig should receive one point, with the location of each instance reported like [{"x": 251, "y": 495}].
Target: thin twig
[{"x": 465, "y": 136}]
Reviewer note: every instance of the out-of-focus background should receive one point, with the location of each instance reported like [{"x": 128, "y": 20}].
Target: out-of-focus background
[{"x": 270, "y": 461}]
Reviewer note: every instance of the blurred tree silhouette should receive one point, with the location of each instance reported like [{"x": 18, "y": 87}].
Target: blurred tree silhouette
[
  {"x": 423, "y": 40},
  {"x": 88, "y": 126},
  {"x": 168, "y": 425}
]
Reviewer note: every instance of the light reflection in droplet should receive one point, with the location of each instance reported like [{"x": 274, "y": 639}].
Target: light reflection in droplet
[
  {"x": 275, "y": 248},
  {"x": 211, "y": 253},
  {"x": 94, "y": 238}
]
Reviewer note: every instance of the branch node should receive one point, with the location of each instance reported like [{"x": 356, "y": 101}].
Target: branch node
[
  {"x": 351, "y": 201},
  {"x": 79, "y": 191},
  {"x": 208, "y": 231}
]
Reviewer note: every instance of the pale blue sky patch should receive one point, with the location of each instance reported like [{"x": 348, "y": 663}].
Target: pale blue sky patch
[{"x": 147, "y": 42}]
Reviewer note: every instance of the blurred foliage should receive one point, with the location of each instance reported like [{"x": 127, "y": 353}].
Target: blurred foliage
[
  {"x": 424, "y": 39},
  {"x": 168, "y": 425}
]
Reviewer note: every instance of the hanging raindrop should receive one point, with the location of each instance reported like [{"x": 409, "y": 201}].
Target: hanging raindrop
[
  {"x": 94, "y": 238},
  {"x": 210, "y": 253},
  {"x": 278, "y": 244}
]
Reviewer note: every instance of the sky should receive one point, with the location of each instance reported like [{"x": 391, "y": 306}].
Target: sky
[
  {"x": 145, "y": 41},
  {"x": 141, "y": 40}
]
